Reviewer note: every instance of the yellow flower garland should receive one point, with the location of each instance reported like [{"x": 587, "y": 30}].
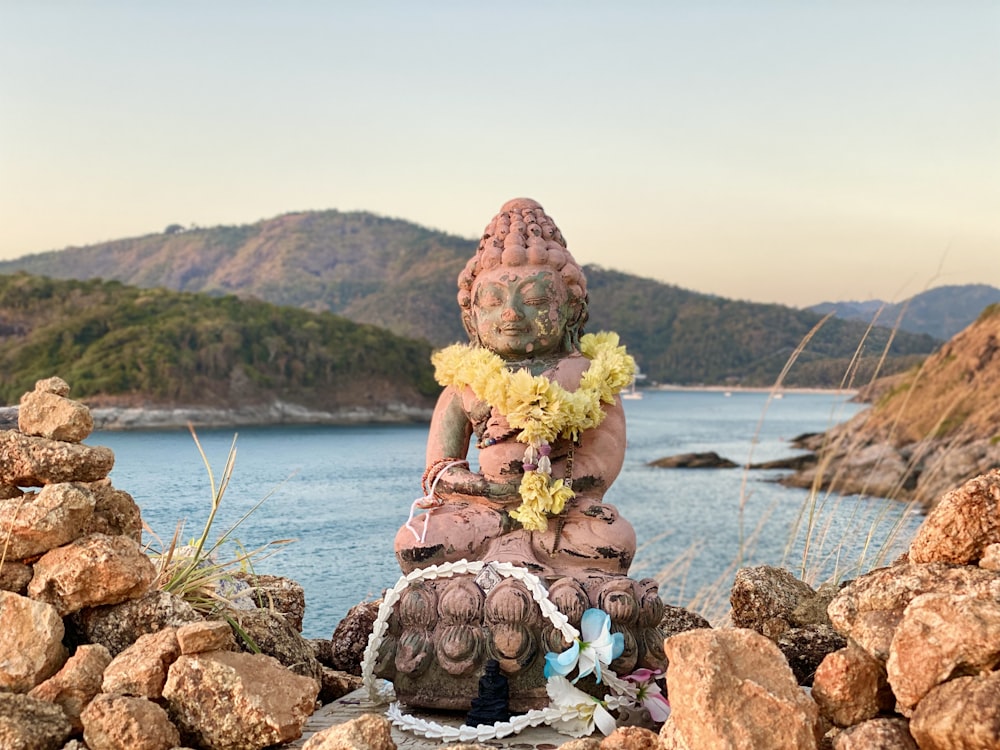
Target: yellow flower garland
[{"x": 541, "y": 409}]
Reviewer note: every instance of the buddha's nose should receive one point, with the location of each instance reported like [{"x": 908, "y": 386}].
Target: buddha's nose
[{"x": 509, "y": 314}]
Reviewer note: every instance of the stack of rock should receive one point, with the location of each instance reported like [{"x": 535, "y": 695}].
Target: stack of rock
[
  {"x": 90, "y": 648},
  {"x": 904, "y": 657}
]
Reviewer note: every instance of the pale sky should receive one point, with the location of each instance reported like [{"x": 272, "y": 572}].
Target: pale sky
[{"x": 791, "y": 152}]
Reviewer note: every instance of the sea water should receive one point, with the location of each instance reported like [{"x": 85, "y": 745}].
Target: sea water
[{"x": 337, "y": 495}]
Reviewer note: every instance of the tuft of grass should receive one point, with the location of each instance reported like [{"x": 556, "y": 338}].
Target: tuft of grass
[{"x": 197, "y": 572}]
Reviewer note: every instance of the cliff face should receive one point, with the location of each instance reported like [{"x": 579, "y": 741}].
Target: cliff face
[{"x": 928, "y": 429}]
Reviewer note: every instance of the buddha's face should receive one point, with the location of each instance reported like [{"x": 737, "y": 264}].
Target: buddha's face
[{"x": 520, "y": 311}]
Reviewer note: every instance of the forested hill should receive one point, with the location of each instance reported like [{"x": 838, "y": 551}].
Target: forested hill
[
  {"x": 127, "y": 346},
  {"x": 398, "y": 275}
]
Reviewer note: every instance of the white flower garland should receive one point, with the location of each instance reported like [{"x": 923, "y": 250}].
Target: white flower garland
[{"x": 433, "y": 730}]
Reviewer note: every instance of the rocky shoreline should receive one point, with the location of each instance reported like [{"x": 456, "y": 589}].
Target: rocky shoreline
[{"x": 262, "y": 415}]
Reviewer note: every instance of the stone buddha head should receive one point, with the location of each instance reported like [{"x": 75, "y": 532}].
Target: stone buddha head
[{"x": 523, "y": 295}]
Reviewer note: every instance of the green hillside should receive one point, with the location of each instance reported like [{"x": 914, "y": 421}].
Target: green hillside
[
  {"x": 400, "y": 276},
  {"x": 125, "y": 345}
]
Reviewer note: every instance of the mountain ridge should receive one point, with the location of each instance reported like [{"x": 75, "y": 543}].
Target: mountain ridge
[{"x": 400, "y": 276}]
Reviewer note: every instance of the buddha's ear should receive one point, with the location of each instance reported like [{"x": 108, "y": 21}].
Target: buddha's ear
[{"x": 469, "y": 324}]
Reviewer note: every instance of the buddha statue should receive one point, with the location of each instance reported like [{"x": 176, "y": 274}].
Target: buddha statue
[
  {"x": 539, "y": 399},
  {"x": 523, "y": 298}
]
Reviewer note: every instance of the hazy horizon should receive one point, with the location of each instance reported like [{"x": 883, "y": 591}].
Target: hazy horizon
[{"x": 774, "y": 152}]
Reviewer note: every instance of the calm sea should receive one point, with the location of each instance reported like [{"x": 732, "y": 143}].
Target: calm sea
[{"x": 342, "y": 492}]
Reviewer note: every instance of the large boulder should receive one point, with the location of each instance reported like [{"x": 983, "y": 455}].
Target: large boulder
[
  {"x": 713, "y": 671},
  {"x": 31, "y": 648},
  {"x": 228, "y": 700}
]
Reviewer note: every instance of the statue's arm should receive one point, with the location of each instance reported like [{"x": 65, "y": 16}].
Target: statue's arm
[{"x": 449, "y": 436}]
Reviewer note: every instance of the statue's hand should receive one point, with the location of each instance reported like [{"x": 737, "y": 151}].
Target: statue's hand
[{"x": 457, "y": 482}]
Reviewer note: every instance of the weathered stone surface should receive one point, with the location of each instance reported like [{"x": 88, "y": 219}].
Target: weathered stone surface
[
  {"x": 991, "y": 558},
  {"x": 51, "y": 415},
  {"x": 876, "y": 734},
  {"x": 93, "y": 570},
  {"x": 677, "y": 619},
  {"x": 273, "y": 635},
  {"x": 31, "y": 648},
  {"x": 850, "y": 686},
  {"x": 236, "y": 701},
  {"x": 27, "y": 461},
  {"x": 8, "y": 491},
  {"x": 115, "y": 512},
  {"x": 671, "y": 737},
  {"x": 582, "y": 743},
  {"x": 631, "y": 738},
  {"x": 76, "y": 684},
  {"x": 15, "y": 577},
  {"x": 367, "y": 732},
  {"x": 115, "y": 722},
  {"x": 117, "y": 626},
  {"x": 763, "y": 598},
  {"x": 711, "y": 671},
  {"x": 942, "y": 635},
  {"x": 278, "y": 594},
  {"x": 964, "y": 522},
  {"x": 210, "y": 635},
  {"x": 31, "y": 724},
  {"x": 350, "y": 637},
  {"x": 141, "y": 669},
  {"x": 805, "y": 648},
  {"x": 962, "y": 713},
  {"x": 54, "y": 385},
  {"x": 37, "y": 522},
  {"x": 336, "y": 684},
  {"x": 869, "y": 608}
]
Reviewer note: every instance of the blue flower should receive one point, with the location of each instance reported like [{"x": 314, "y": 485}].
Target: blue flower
[{"x": 596, "y": 648}]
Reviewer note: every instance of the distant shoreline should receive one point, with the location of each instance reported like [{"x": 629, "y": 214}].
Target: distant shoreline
[
  {"x": 751, "y": 389},
  {"x": 282, "y": 413}
]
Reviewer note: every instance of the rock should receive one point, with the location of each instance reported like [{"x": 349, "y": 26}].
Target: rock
[
  {"x": 93, "y": 570},
  {"x": 117, "y": 626},
  {"x": 582, "y": 743},
  {"x": 15, "y": 576},
  {"x": 271, "y": 634},
  {"x": 31, "y": 649},
  {"x": 236, "y": 701},
  {"x": 76, "y": 684},
  {"x": 141, "y": 669},
  {"x": 28, "y": 723},
  {"x": 210, "y": 635},
  {"x": 350, "y": 637},
  {"x": 711, "y": 671},
  {"x": 870, "y": 607},
  {"x": 962, "y": 524},
  {"x": 876, "y": 470},
  {"x": 33, "y": 461},
  {"x": 962, "y": 713},
  {"x": 942, "y": 635},
  {"x": 706, "y": 460},
  {"x": 278, "y": 594},
  {"x": 115, "y": 722},
  {"x": 49, "y": 414},
  {"x": 367, "y": 732},
  {"x": 335, "y": 684},
  {"x": 677, "y": 619},
  {"x": 850, "y": 687},
  {"x": 764, "y": 599},
  {"x": 631, "y": 738},
  {"x": 115, "y": 512},
  {"x": 876, "y": 734},
  {"x": 991, "y": 558},
  {"x": 38, "y": 522},
  {"x": 805, "y": 649}
]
